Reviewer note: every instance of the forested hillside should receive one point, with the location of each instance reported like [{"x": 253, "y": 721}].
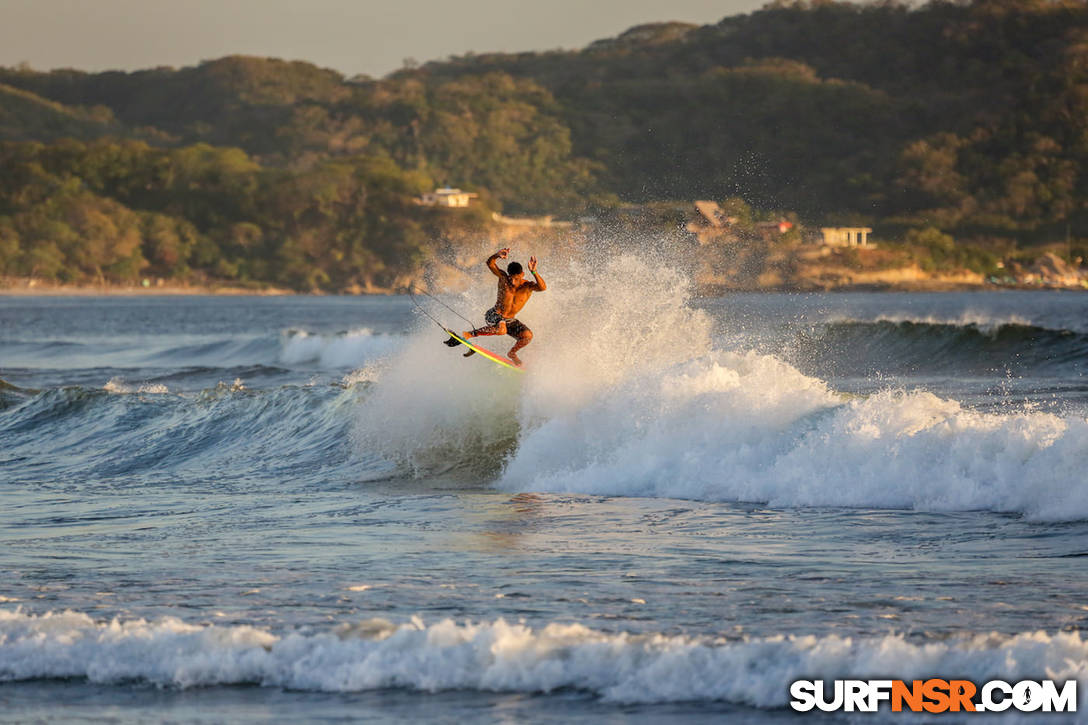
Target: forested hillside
[{"x": 970, "y": 118}]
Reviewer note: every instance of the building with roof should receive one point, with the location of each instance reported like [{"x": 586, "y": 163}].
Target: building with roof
[
  {"x": 847, "y": 237},
  {"x": 448, "y": 197}
]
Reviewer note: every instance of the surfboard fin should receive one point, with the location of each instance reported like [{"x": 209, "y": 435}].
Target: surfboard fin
[
  {"x": 452, "y": 342},
  {"x": 470, "y": 353}
]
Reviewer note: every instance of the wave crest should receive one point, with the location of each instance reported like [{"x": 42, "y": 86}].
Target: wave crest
[
  {"x": 748, "y": 427},
  {"x": 629, "y": 392},
  {"x": 506, "y": 657},
  {"x": 344, "y": 350},
  {"x": 911, "y": 346}
]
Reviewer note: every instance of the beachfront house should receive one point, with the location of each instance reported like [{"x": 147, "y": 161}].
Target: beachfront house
[
  {"x": 447, "y": 197},
  {"x": 847, "y": 237}
]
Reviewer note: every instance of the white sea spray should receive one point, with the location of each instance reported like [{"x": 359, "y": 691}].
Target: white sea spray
[{"x": 503, "y": 656}]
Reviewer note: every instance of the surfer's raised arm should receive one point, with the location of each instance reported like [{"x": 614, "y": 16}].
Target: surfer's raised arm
[
  {"x": 514, "y": 291},
  {"x": 540, "y": 285},
  {"x": 501, "y": 254}
]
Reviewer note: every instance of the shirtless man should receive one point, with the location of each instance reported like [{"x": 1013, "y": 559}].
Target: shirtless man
[{"x": 514, "y": 292}]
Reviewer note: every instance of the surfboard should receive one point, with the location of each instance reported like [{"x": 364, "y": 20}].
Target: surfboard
[{"x": 492, "y": 356}]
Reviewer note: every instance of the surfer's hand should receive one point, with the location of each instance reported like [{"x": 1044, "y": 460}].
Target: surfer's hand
[
  {"x": 532, "y": 264},
  {"x": 503, "y": 252}
]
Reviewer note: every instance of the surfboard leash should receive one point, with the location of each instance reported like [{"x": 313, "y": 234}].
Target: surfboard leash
[{"x": 412, "y": 289}]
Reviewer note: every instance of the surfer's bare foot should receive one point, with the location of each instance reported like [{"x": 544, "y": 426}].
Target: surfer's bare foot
[{"x": 514, "y": 358}]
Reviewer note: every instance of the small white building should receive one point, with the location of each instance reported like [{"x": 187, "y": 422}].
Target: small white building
[
  {"x": 847, "y": 237},
  {"x": 447, "y": 197}
]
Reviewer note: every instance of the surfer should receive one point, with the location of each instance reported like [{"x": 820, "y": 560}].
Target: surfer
[{"x": 514, "y": 292}]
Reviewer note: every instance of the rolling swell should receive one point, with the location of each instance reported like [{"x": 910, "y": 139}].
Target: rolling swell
[
  {"x": 918, "y": 347},
  {"x": 216, "y": 352},
  {"x": 201, "y": 376},
  {"x": 190, "y": 408},
  {"x": 340, "y": 350},
  {"x": 227, "y": 431},
  {"x": 292, "y": 348}
]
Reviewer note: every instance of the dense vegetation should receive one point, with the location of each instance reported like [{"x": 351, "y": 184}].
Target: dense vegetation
[
  {"x": 969, "y": 116},
  {"x": 113, "y": 211},
  {"x": 968, "y": 119}
]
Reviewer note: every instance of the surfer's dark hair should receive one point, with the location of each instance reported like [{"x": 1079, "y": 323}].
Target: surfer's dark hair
[{"x": 513, "y": 268}]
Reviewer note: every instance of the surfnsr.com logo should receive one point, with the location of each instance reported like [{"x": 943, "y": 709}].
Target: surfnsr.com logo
[{"x": 933, "y": 695}]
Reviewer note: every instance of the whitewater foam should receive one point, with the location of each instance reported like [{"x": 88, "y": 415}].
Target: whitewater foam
[
  {"x": 691, "y": 420},
  {"x": 505, "y": 657},
  {"x": 983, "y": 321},
  {"x": 429, "y": 410},
  {"x": 747, "y": 427},
  {"x": 607, "y": 322},
  {"x": 350, "y": 349},
  {"x": 120, "y": 387},
  {"x": 628, "y": 393}
]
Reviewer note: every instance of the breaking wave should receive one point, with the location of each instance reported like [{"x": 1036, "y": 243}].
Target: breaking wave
[
  {"x": 642, "y": 400},
  {"x": 628, "y": 391},
  {"x": 343, "y": 350},
  {"x": 747, "y": 427},
  {"x": 498, "y": 656}
]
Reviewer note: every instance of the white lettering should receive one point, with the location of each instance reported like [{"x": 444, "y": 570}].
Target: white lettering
[
  {"x": 855, "y": 696},
  {"x": 994, "y": 696},
  {"x": 1027, "y": 696},
  {"x": 879, "y": 690},
  {"x": 829, "y": 705},
  {"x": 1064, "y": 701},
  {"x": 803, "y": 693},
  {"x": 988, "y": 702}
]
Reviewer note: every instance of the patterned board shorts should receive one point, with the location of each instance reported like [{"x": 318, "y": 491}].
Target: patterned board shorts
[{"x": 514, "y": 327}]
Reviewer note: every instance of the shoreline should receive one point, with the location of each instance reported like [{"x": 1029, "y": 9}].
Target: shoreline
[
  {"x": 701, "y": 290},
  {"x": 900, "y": 288},
  {"x": 98, "y": 290},
  {"x": 242, "y": 292}
]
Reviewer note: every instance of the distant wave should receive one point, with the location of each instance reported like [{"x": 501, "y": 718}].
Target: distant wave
[
  {"x": 337, "y": 351},
  {"x": 45, "y": 346},
  {"x": 127, "y": 428},
  {"x": 499, "y": 656},
  {"x": 117, "y": 385},
  {"x": 189, "y": 379},
  {"x": 343, "y": 350},
  {"x": 909, "y": 346},
  {"x": 223, "y": 352},
  {"x": 982, "y": 321},
  {"x": 291, "y": 348}
]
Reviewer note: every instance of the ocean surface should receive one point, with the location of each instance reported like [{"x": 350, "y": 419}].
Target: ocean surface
[{"x": 259, "y": 509}]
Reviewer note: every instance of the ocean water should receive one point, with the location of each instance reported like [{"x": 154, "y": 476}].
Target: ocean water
[{"x": 256, "y": 509}]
